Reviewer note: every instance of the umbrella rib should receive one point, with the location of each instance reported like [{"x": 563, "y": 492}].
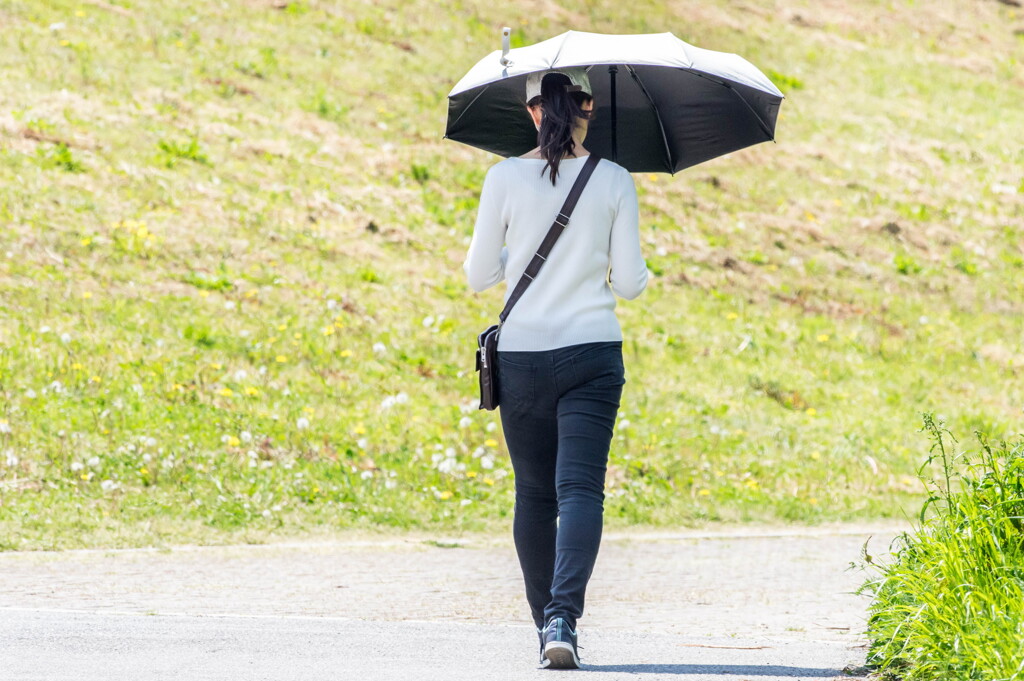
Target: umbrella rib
[
  {"x": 657, "y": 115},
  {"x": 468, "y": 107},
  {"x": 728, "y": 86}
]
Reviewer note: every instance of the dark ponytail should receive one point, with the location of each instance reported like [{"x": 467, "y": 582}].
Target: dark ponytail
[{"x": 561, "y": 109}]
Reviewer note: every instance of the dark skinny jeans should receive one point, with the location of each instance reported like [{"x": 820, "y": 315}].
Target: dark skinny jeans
[{"x": 558, "y": 410}]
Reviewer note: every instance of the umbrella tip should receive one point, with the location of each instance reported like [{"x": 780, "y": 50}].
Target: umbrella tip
[{"x": 506, "y": 36}]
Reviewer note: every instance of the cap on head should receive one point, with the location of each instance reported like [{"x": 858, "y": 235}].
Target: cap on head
[{"x": 577, "y": 76}]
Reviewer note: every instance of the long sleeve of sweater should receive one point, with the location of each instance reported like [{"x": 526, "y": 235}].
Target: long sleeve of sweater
[{"x": 485, "y": 261}]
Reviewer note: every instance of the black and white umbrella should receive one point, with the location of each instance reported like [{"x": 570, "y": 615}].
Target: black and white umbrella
[{"x": 661, "y": 105}]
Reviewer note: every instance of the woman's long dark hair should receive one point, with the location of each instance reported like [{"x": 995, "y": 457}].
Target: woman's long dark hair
[{"x": 561, "y": 109}]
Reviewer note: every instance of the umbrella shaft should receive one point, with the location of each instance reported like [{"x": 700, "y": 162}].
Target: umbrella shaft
[{"x": 612, "y": 70}]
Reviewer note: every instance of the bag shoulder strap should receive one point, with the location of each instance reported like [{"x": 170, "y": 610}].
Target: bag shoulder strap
[{"x": 561, "y": 220}]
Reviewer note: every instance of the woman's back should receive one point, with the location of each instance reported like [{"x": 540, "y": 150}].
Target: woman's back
[{"x": 571, "y": 301}]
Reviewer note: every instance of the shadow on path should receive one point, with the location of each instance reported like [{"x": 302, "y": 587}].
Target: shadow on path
[{"x": 704, "y": 669}]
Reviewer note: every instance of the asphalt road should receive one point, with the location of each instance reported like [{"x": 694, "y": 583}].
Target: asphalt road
[{"x": 774, "y": 604}]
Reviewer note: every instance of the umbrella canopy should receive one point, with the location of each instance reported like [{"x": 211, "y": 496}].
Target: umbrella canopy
[{"x": 661, "y": 104}]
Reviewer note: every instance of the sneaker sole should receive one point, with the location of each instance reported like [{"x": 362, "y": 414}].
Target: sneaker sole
[{"x": 559, "y": 655}]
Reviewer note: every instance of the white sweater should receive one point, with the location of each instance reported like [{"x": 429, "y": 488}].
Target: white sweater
[{"x": 571, "y": 300}]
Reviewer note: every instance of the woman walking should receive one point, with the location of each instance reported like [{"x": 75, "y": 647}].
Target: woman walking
[{"x": 560, "y": 369}]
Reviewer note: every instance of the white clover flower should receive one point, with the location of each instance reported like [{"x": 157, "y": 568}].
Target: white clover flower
[
  {"x": 465, "y": 422},
  {"x": 500, "y": 473},
  {"x": 5, "y": 428},
  {"x": 146, "y": 458},
  {"x": 30, "y": 394},
  {"x": 44, "y": 329},
  {"x": 436, "y": 458},
  {"x": 332, "y": 304},
  {"x": 366, "y": 475},
  {"x": 467, "y": 407},
  {"x": 465, "y": 502},
  {"x": 302, "y": 423},
  {"x": 388, "y": 402},
  {"x": 252, "y": 454},
  {"x": 139, "y": 390},
  {"x": 624, "y": 423},
  {"x": 478, "y": 452},
  {"x": 379, "y": 348},
  {"x": 56, "y": 387},
  {"x": 450, "y": 452},
  {"x": 240, "y": 375},
  {"x": 151, "y": 442},
  {"x": 487, "y": 462},
  {"x": 65, "y": 338},
  {"x": 263, "y": 370},
  {"x": 390, "y": 484},
  {"x": 93, "y": 462},
  {"x": 253, "y": 463},
  {"x": 11, "y": 459},
  {"x": 230, "y": 305},
  {"x": 245, "y": 436},
  {"x": 109, "y": 485},
  {"x": 275, "y": 508},
  {"x": 224, "y": 438},
  {"x": 362, "y": 443},
  {"x": 77, "y": 466},
  {"x": 491, "y": 427},
  {"x": 266, "y": 513},
  {"x": 448, "y": 465},
  {"x": 58, "y": 26},
  {"x": 428, "y": 321},
  {"x": 401, "y": 398}
]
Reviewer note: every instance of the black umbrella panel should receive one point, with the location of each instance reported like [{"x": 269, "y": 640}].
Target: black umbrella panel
[{"x": 647, "y": 118}]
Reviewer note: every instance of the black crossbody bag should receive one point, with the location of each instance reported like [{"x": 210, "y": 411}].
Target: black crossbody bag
[{"x": 487, "y": 342}]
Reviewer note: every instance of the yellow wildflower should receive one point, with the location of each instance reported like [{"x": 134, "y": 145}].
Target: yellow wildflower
[
  {"x": 490, "y": 442},
  {"x": 282, "y": 327},
  {"x": 446, "y": 495},
  {"x": 815, "y": 455},
  {"x": 822, "y": 337},
  {"x": 811, "y": 411},
  {"x": 488, "y": 481},
  {"x": 233, "y": 441},
  {"x": 704, "y": 492},
  {"x": 471, "y": 474},
  {"x": 86, "y": 241},
  {"x": 227, "y": 392},
  {"x": 346, "y": 353},
  {"x": 204, "y": 294},
  {"x": 328, "y": 330},
  {"x": 95, "y": 379},
  {"x": 731, "y": 316},
  {"x": 77, "y": 366},
  {"x": 251, "y": 391},
  {"x": 251, "y": 293},
  {"x": 359, "y": 430},
  {"x": 280, "y": 359}
]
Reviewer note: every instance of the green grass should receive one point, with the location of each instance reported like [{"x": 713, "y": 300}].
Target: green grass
[
  {"x": 950, "y": 602},
  {"x": 231, "y": 240}
]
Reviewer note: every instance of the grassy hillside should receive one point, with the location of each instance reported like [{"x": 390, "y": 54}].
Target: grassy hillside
[{"x": 232, "y": 304}]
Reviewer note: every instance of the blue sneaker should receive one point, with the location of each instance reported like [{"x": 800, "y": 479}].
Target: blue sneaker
[{"x": 559, "y": 651}]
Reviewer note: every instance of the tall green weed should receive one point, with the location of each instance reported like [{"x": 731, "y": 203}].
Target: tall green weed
[{"x": 950, "y": 605}]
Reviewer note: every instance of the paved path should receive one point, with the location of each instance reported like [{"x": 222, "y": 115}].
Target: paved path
[{"x": 747, "y": 604}]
